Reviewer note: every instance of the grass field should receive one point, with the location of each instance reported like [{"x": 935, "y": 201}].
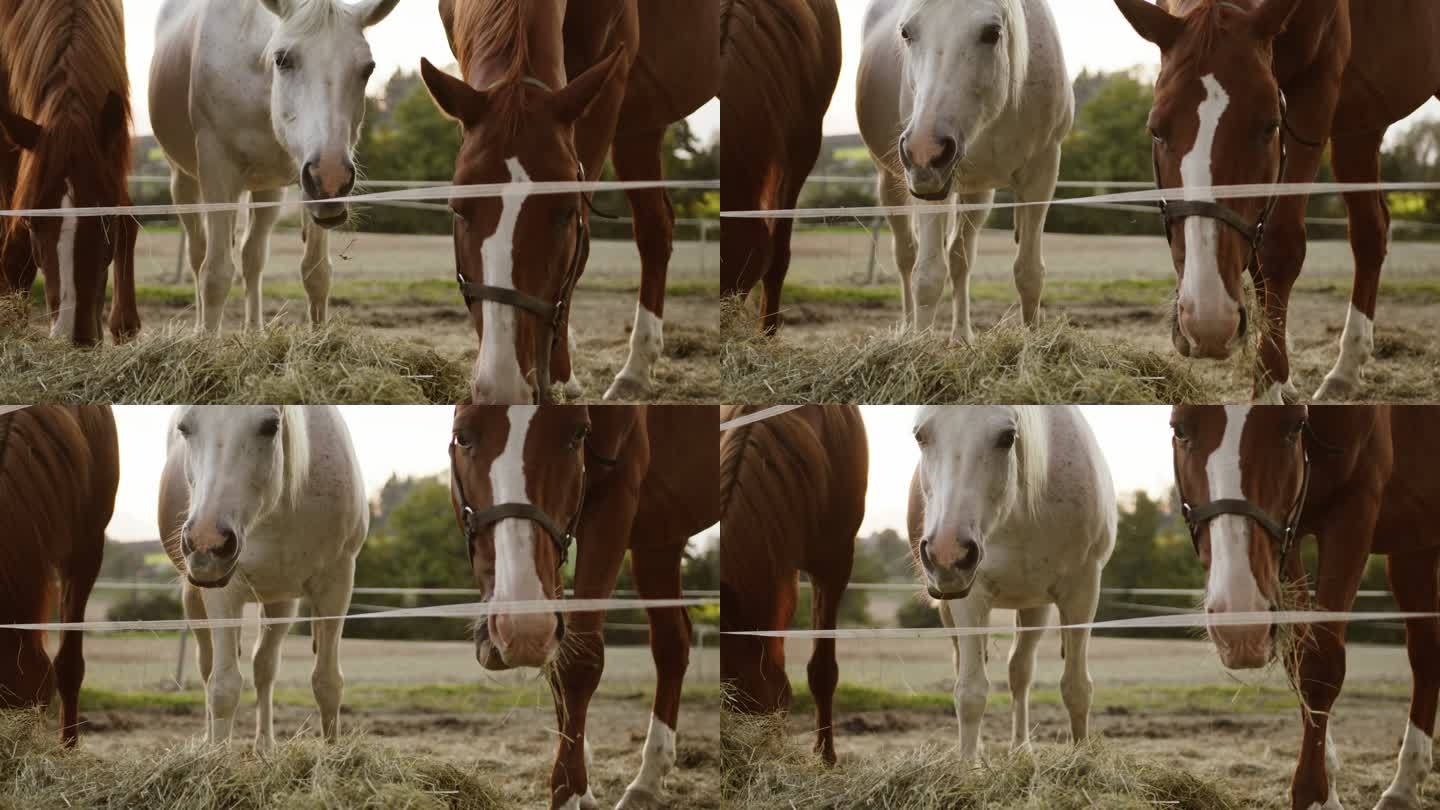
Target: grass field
[
  {"x": 401, "y": 333},
  {"x": 1162, "y": 702},
  {"x": 1107, "y": 307}
]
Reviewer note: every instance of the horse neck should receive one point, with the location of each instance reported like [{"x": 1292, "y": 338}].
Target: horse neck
[{"x": 539, "y": 51}]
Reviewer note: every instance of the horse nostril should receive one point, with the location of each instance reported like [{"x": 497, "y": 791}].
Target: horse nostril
[
  {"x": 969, "y": 556},
  {"x": 308, "y": 180},
  {"x": 559, "y": 627},
  {"x": 949, "y": 148},
  {"x": 905, "y": 152},
  {"x": 231, "y": 546}
]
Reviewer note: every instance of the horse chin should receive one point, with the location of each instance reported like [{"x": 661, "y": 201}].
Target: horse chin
[
  {"x": 330, "y": 222},
  {"x": 219, "y": 583}
]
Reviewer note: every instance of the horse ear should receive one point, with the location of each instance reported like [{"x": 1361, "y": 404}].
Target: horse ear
[
  {"x": 373, "y": 11},
  {"x": 1271, "y": 18},
  {"x": 454, "y": 97},
  {"x": 1153, "y": 23},
  {"x": 113, "y": 126},
  {"x": 575, "y": 99},
  {"x": 21, "y": 131}
]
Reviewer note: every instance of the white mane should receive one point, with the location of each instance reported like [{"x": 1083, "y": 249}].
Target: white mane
[
  {"x": 1032, "y": 452},
  {"x": 295, "y": 435}
]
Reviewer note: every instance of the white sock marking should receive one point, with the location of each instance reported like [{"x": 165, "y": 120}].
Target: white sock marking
[
  {"x": 1274, "y": 395},
  {"x": 1232, "y": 586},
  {"x": 657, "y": 758},
  {"x": 647, "y": 343},
  {"x": 515, "y": 577},
  {"x": 64, "y": 326},
  {"x": 498, "y": 362},
  {"x": 1417, "y": 757},
  {"x": 1357, "y": 346},
  {"x": 1202, "y": 287}
]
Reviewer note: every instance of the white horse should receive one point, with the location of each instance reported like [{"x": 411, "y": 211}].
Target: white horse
[
  {"x": 962, "y": 99},
  {"x": 1012, "y": 508},
  {"x": 249, "y": 95},
  {"x": 263, "y": 504}
]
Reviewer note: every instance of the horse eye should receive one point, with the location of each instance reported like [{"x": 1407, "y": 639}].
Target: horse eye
[
  {"x": 283, "y": 60},
  {"x": 582, "y": 432},
  {"x": 990, "y": 35},
  {"x": 270, "y": 427},
  {"x": 921, "y": 439},
  {"x": 1272, "y": 129},
  {"x": 368, "y": 70},
  {"x": 1006, "y": 440},
  {"x": 1180, "y": 432},
  {"x": 906, "y": 34},
  {"x": 1157, "y": 137},
  {"x": 461, "y": 440},
  {"x": 184, "y": 429}
]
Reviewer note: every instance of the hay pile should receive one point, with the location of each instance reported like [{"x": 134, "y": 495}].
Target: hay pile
[
  {"x": 1053, "y": 363},
  {"x": 762, "y": 769},
  {"x": 337, "y": 363},
  {"x": 35, "y": 774}
]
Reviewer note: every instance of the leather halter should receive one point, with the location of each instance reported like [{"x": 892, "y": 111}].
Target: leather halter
[
  {"x": 562, "y": 538},
  {"x": 1208, "y": 209},
  {"x": 550, "y": 315},
  {"x": 1286, "y": 533}
]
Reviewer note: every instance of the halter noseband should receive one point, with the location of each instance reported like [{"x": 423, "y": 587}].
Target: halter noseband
[
  {"x": 476, "y": 522},
  {"x": 551, "y": 315},
  {"x": 1286, "y": 534}
]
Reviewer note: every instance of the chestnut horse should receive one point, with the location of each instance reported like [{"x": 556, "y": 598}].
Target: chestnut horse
[
  {"x": 68, "y": 110},
  {"x": 528, "y": 483},
  {"x": 792, "y": 495},
  {"x": 1249, "y": 92},
  {"x": 549, "y": 89},
  {"x": 780, "y": 62},
  {"x": 1362, "y": 480},
  {"x": 59, "y": 469}
]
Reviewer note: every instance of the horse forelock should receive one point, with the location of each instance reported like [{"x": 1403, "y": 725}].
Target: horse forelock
[
  {"x": 295, "y": 430},
  {"x": 1206, "y": 22},
  {"x": 494, "y": 31},
  {"x": 309, "y": 18}
]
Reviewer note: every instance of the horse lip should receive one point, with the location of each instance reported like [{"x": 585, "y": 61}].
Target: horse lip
[
  {"x": 219, "y": 583},
  {"x": 331, "y": 222},
  {"x": 936, "y": 593},
  {"x": 938, "y": 196}
]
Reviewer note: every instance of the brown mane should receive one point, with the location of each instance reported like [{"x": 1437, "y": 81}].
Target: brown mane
[
  {"x": 64, "y": 59},
  {"x": 495, "y": 31}
]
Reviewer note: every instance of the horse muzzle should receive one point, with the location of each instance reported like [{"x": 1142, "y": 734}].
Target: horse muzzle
[
  {"x": 505, "y": 642},
  {"x": 214, "y": 564}
]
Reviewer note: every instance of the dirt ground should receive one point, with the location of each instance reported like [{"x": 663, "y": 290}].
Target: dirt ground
[
  {"x": 1094, "y": 281},
  {"x": 513, "y": 750}
]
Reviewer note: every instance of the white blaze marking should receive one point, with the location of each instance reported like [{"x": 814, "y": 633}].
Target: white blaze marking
[
  {"x": 515, "y": 576},
  {"x": 657, "y": 758},
  {"x": 64, "y": 326},
  {"x": 498, "y": 361},
  {"x": 1232, "y": 586},
  {"x": 646, "y": 344},
  {"x": 1201, "y": 288},
  {"x": 1416, "y": 759}
]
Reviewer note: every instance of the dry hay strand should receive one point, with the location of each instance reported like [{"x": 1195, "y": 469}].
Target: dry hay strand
[
  {"x": 1054, "y": 362},
  {"x": 761, "y": 770},
  {"x": 352, "y": 772},
  {"x": 335, "y": 363}
]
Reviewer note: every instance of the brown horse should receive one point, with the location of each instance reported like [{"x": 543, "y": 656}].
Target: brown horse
[
  {"x": 1362, "y": 480},
  {"x": 528, "y": 483},
  {"x": 1250, "y": 91},
  {"x": 549, "y": 89},
  {"x": 780, "y": 62},
  {"x": 68, "y": 108},
  {"x": 792, "y": 495},
  {"x": 59, "y": 469}
]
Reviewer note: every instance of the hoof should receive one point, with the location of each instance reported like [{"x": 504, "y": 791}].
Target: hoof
[
  {"x": 1337, "y": 389},
  {"x": 627, "y": 389},
  {"x": 638, "y": 799}
]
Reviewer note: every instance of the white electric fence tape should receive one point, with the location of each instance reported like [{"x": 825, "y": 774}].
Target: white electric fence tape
[
  {"x": 758, "y": 416},
  {"x": 1187, "y": 619},
  {"x": 408, "y": 194},
  {"x": 1251, "y": 191},
  {"x": 469, "y": 610}
]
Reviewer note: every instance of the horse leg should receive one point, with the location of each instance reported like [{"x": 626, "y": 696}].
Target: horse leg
[
  {"x": 194, "y": 603},
  {"x": 964, "y": 243},
  {"x": 657, "y": 576},
  {"x": 185, "y": 190},
  {"x": 124, "y": 311},
  {"x": 774, "y": 280},
  {"x": 222, "y": 687},
  {"x": 1036, "y": 186},
  {"x": 217, "y": 271},
  {"x": 891, "y": 193},
  {"x": 267, "y": 662},
  {"x": 1412, "y": 578},
  {"x": 1078, "y": 606},
  {"x": 637, "y": 157},
  {"x": 823, "y": 672},
  {"x": 70, "y": 660},
  {"x": 315, "y": 271},
  {"x": 1321, "y": 656},
  {"x": 256, "y": 252},
  {"x": 330, "y": 597},
  {"x": 928, "y": 283},
  {"x": 1022, "y": 671},
  {"x": 1356, "y": 159},
  {"x": 972, "y": 684}
]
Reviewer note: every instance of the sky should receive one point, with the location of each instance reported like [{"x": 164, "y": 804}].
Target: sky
[
  {"x": 411, "y": 31},
  {"x": 1135, "y": 440},
  {"x": 1094, "y": 34}
]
